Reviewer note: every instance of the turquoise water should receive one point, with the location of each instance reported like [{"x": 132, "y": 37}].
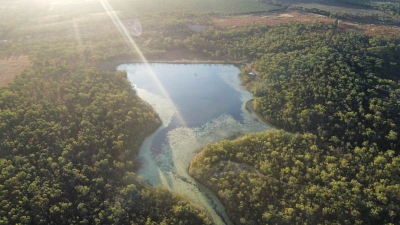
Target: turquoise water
[{"x": 198, "y": 104}]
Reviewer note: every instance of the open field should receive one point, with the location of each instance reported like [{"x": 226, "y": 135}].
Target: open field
[
  {"x": 11, "y": 67},
  {"x": 39, "y": 17},
  {"x": 328, "y": 6},
  {"x": 269, "y": 19},
  {"x": 340, "y": 8},
  {"x": 372, "y": 29},
  {"x": 66, "y": 16},
  {"x": 290, "y": 16}
]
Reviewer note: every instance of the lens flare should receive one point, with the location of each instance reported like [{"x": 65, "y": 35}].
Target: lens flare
[
  {"x": 131, "y": 43},
  {"x": 136, "y": 28}
]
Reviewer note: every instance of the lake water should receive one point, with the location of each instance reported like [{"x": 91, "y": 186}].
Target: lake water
[{"x": 198, "y": 104}]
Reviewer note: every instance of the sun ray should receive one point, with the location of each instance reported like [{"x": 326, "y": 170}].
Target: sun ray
[
  {"x": 132, "y": 44},
  {"x": 77, "y": 32}
]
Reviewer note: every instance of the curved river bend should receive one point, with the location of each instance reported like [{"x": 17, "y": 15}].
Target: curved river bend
[{"x": 198, "y": 104}]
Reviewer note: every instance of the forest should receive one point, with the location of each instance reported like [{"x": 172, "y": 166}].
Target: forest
[
  {"x": 391, "y": 7},
  {"x": 70, "y": 130},
  {"x": 68, "y": 135},
  {"x": 338, "y": 94}
]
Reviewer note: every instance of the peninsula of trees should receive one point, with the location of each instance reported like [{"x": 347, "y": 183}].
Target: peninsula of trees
[{"x": 338, "y": 94}]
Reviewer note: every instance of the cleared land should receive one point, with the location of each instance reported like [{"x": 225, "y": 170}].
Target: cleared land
[
  {"x": 303, "y": 17},
  {"x": 269, "y": 19},
  {"x": 372, "y": 29},
  {"x": 11, "y": 67},
  {"x": 340, "y": 8},
  {"x": 328, "y": 6}
]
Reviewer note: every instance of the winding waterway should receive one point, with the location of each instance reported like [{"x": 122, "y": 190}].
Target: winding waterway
[{"x": 198, "y": 104}]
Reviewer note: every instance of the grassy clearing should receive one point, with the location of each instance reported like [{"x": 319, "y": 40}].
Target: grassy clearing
[
  {"x": 269, "y": 19},
  {"x": 332, "y": 7},
  {"x": 11, "y": 67},
  {"x": 56, "y": 15},
  {"x": 290, "y": 16}
]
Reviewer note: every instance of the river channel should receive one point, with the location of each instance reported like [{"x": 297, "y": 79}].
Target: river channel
[{"x": 198, "y": 104}]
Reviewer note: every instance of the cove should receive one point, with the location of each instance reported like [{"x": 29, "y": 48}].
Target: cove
[{"x": 198, "y": 104}]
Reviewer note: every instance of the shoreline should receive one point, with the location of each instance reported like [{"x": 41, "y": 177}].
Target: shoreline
[
  {"x": 219, "y": 209},
  {"x": 112, "y": 64},
  {"x": 250, "y": 107}
]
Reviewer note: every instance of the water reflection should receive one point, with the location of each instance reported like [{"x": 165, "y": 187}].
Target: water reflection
[{"x": 198, "y": 104}]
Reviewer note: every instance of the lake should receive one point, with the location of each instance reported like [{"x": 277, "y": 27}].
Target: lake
[{"x": 198, "y": 104}]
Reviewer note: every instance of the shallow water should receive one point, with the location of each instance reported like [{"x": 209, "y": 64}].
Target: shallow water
[{"x": 198, "y": 104}]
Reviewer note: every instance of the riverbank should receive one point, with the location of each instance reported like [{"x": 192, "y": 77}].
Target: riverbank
[
  {"x": 178, "y": 56},
  {"x": 250, "y": 107},
  {"x": 218, "y": 114}
]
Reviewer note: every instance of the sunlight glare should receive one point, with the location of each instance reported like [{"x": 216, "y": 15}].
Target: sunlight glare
[
  {"x": 77, "y": 34},
  {"x": 128, "y": 39}
]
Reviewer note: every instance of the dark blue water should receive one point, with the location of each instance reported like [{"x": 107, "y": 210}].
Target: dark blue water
[
  {"x": 197, "y": 91},
  {"x": 198, "y": 104}
]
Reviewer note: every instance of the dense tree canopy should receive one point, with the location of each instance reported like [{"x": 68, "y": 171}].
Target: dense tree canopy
[
  {"x": 347, "y": 92},
  {"x": 341, "y": 92},
  {"x": 281, "y": 178},
  {"x": 69, "y": 131},
  {"x": 68, "y": 141}
]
